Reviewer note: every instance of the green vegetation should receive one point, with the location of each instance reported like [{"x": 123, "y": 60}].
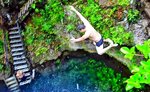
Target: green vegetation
[
  {"x": 49, "y": 24},
  {"x": 1, "y": 50},
  {"x": 1, "y": 43},
  {"x": 140, "y": 72},
  {"x": 42, "y": 30},
  {"x": 1, "y": 67},
  {"x": 133, "y": 15}
]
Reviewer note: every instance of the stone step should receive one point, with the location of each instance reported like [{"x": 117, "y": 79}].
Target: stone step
[
  {"x": 18, "y": 90},
  {"x": 19, "y": 58},
  {"x": 10, "y": 79},
  {"x": 14, "y": 36},
  {"x": 27, "y": 74},
  {"x": 11, "y": 82},
  {"x": 21, "y": 67},
  {"x": 25, "y": 82},
  {"x": 15, "y": 41},
  {"x": 13, "y": 32},
  {"x": 17, "y": 54},
  {"x": 17, "y": 49},
  {"x": 25, "y": 70},
  {"x": 14, "y": 85},
  {"x": 16, "y": 45},
  {"x": 14, "y": 28},
  {"x": 14, "y": 89},
  {"x": 19, "y": 62}
]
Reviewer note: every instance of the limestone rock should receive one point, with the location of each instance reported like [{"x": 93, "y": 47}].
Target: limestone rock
[
  {"x": 147, "y": 10},
  {"x": 148, "y": 31},
  {"x": 139, "y": 31},
  {"x": 105, "y": 3}
]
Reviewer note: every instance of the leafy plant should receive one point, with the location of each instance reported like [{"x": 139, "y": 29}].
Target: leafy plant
[
  {"x": 140, "y": 73},
  {"x": 70, "y": 27},
  {"x": 41, "y": 50},
  {"x": 123, "y": 2},
  {"x": 42, "y": 28},
  {"x": 133, "y": 15},
  {"x": 1, "y": 43},
  {"x": 129, "y": 53},
  {"x": 1, "y": 47},
  {"x": 1, "y": 67}
]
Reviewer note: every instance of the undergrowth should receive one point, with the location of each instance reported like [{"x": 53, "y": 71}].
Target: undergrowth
[
  {"x": 42, "y": 30},
  {"x": 1, "y": 50}
]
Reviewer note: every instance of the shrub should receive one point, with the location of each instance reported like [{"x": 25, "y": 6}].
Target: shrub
[
  {"x": 140, "y": 72},
  {"x": 133, "y": 15}
]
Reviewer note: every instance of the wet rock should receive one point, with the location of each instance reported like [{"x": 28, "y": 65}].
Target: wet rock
[
  {"x": 124, "y": 23},
  {"x": 147, "y": 11},
  {"x": 106, "y": 3},
  {"x": 146, "y": 6},
  {"x": 148, "y": 32},
  {"x": 1, "y": 76},
  {"x": 139, "y": 31},
  {"x": 146, "y": 3},
  {"x": 103, "y": 2}
]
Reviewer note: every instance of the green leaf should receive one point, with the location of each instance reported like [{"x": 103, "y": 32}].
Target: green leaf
[
  {"x": 132, "y": 50},
  {"x": 144, "y": 49},
  {"x": 135, "y": 69},
  {"x": 125, "y": 50},
  {"x": 36, "y": 10},
  {"x": 1, "y": 67},
  {"x": 41, "y": 50},
  {"x": 33, "y": 6},
  {"x": 129, "y": 86}
]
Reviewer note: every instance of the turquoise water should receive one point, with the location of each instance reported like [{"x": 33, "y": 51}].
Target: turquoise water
[
  {"x": 74, "y": 76},
  {"x": 62, "y": 80}
]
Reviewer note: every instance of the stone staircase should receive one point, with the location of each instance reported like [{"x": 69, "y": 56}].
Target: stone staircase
[
  {"x": 20, "y": 61},
  {"x": 12, "y": 84}
]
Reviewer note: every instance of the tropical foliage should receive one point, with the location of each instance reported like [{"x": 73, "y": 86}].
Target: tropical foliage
[
  {"x": 133, "y": 15},
  {"x": 1, "y": 50},
  {"x": 141, "y": 74},
  {"x": 42, "y": 30},
  {"x": 1, "y": 43}
]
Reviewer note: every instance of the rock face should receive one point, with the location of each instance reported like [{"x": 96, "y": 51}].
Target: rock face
[
  {"x": 146, "y": 6},
  {"x": 148, "y": 31},
  {"x": 147, "y": 10},
  {"x": 140, "y": 35},
  {"x": 139, "y": 30}
]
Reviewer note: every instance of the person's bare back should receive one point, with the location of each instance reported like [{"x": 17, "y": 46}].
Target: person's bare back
[{"x": 94, "y": 35}]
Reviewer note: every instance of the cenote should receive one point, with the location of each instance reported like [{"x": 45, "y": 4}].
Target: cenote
[{"x": 79, "y": 72}]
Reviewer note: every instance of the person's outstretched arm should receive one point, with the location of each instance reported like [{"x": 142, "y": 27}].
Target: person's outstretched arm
[
  {"x": 85, "y": 21},
  {"x": 85, "y": 36}
]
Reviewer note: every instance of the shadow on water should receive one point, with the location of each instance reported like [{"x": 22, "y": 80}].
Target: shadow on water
[{"x": 64, "y": 75}]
